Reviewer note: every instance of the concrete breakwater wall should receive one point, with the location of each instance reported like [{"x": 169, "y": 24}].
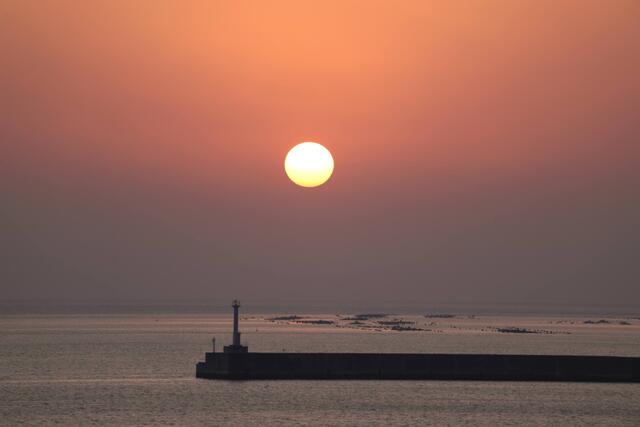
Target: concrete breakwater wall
[{"x": 487, "y": 367}]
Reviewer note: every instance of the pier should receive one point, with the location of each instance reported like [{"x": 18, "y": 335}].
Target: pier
[{"x": 237, "y": 363}]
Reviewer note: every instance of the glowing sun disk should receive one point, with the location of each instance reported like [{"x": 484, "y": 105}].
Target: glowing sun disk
[{"x": 309, "y": 164}]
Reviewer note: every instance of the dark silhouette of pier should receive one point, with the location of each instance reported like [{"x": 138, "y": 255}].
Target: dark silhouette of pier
[{"x": 237, "y": 363}]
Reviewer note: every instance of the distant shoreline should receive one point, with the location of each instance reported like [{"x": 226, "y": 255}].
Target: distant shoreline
[{"x": 285, "y": 308}]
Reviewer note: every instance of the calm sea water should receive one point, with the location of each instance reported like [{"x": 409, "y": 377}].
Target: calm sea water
[{"x": 121, "y": 368}]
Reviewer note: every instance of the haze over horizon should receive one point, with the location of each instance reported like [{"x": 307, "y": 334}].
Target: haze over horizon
[{"x": 485, "y": 151}]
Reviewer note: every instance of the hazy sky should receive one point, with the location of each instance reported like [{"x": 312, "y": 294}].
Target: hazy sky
[{"x": 485, "y": 150}]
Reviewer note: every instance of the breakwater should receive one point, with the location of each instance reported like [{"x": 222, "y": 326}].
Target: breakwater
[{"x": 399, "y": 366}]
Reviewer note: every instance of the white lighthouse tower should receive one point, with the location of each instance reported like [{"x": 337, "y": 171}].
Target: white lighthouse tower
[{"x": 236, "y": 347}]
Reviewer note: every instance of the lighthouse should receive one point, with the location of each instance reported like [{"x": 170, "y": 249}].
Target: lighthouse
[{"x": 236, "y": 347}]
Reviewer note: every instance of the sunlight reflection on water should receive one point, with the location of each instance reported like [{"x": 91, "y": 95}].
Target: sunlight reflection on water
[{"x": 139, "y": 370}]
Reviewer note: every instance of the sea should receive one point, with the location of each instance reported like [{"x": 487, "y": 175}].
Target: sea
[{"x": 134, "y": 364}]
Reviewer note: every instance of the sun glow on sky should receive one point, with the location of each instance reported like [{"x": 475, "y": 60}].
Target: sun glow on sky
[
  {"x": 309, "y": 164},
  {"x": 478, "y": 143}
]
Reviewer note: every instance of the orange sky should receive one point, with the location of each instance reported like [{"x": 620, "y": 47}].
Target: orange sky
[{"x": 451, "y": 123}]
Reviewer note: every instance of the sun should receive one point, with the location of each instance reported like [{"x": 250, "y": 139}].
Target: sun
[{"x": 309, "y": 164}]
